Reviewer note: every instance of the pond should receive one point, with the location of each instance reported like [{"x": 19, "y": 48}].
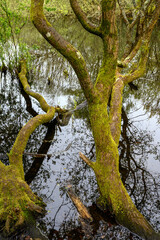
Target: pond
[{"x": 51, "y": 158}]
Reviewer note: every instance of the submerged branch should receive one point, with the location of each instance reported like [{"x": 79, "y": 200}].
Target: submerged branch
[
  {"x": 85, "y": 217},
  {"x": 83, "y": 211}
]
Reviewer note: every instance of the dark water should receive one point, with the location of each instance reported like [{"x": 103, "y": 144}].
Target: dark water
[{"x": 48, "y": 176}]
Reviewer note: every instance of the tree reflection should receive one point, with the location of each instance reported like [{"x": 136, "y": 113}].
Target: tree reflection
[
  {"x": 140, "y": 183},
  {"x": 135, "y": 145}
]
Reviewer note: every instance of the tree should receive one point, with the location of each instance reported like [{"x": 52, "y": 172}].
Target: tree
[
  {"x": 113, "y": 75},
  {"x": 106, "y": 126}
]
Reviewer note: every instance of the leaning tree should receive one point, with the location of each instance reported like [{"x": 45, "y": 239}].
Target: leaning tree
[{"x": 116, "y": 71}]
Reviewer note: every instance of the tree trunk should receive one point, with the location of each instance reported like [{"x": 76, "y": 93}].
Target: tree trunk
[
  {"x": 106, "y": 126},
  {"x": 17, "y": 201},
  {"x": 113, "y": 194}
]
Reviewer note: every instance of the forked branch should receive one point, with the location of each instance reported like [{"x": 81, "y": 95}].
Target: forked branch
[{"x": 144, "y": 25}]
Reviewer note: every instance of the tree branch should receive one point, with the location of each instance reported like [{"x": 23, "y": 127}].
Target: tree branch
[
  {"x": 108, "y": 24},
  {"x": 133, "y": 53},
  {"x": 65, "y": 48},
  {"x": 154, "y": 19},
  {"x": 16, "y": 153},
  {"x": 123, "y": 13},
  {"x": 81, "y": 16},
  {"x": 141, "y": 20},
  {"x": 83, "y": 211},
  {"x": 140, "y": 70},
  {"x": 2, "y": 165},
  {"x": 86, "y": 160}
]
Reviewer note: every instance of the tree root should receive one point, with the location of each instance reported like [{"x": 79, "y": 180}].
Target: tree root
[{"x": 17, "y": 201}]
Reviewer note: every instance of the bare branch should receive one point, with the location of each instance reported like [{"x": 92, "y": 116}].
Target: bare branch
[
  {"x": 134, "y": 3},
  {"x": 142, "y": 42},
  {"x": 141, "y": 20},
  {"x": 133, "y": 53},
  {"x": 81, "y": 16},
  {"x": 134, "y": 21}
]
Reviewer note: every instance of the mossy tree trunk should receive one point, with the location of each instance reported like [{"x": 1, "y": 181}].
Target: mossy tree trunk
[
  {"x": 106, "y": 124},
  {"x": 17, "y": 201}
]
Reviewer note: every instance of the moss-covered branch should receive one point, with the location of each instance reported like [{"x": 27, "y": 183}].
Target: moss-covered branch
[
  {"x": 16, "y": 153},
  {"x": 141, "y": 68},
  {"x": 65, "y": 48},
  {"x": 108, "y": 17},
  {"x": 22, "y": 76},
  {"x": 121, "y": 81},
  {"x": 83, "y": 19}
]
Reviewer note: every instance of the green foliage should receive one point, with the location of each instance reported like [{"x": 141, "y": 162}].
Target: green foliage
[
  {"x": 12, "y": 20},
  {"x": 91, "y": 7},
  {"x": 50, "y": 9}
]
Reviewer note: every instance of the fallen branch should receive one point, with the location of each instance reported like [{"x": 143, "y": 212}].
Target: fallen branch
[{"x": 85, "y": 217}]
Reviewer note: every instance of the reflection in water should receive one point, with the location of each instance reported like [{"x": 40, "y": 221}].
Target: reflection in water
[{"x": 59, "y": 165}]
